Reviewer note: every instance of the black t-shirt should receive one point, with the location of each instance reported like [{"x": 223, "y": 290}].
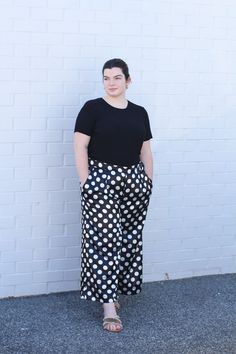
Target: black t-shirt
[{"x": 117, "y": 134}]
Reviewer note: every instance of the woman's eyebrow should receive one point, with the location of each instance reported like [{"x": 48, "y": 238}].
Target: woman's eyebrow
[{"x": 120, "y": 75}]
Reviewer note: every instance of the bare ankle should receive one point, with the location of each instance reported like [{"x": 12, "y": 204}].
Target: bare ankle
[{"x": 109, "y": 309}]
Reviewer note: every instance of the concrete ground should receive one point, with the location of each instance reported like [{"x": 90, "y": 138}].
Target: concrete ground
[{"x": 186, "y": 316}]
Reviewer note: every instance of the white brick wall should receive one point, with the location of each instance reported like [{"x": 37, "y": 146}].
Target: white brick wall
[{"x": 182, "y": 57}]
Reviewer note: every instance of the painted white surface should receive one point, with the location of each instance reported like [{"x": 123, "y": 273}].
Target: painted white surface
[{"x": 182, "y": 57}]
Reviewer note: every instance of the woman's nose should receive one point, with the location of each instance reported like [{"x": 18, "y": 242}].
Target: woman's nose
[{"x": 112, "y": 82}]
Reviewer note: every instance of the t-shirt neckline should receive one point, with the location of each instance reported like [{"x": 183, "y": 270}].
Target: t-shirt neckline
[{"x": 120, "y": 109}]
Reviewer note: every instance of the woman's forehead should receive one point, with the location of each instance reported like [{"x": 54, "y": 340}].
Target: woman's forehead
[{"x": 113, "y": 72}]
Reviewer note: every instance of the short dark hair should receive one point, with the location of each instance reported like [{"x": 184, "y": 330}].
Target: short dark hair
[{"x": 117, "y": 63}]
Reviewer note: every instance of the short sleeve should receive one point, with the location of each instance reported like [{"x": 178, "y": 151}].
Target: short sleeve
[
  {"x": 85, "y": 120},
  {"x": 148, "y": 133}
]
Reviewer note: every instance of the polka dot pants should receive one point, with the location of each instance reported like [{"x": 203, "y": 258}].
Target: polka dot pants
[{"x": 114, "y": 202}]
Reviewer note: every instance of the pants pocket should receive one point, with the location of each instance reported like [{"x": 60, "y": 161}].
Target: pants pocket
[
  {"x": 149, "y": 179},
  {"x": 146, "y": 177},
  {"x": 96, "y": 180},
  {"x": 88, "y": 179}
]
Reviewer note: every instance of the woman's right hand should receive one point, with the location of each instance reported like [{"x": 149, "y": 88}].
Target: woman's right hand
[{"x": 83, "y": 181}]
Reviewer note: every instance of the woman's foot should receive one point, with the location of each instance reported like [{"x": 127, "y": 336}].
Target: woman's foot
[
  {"x": 110, "y": 312},
  {"x": 109, "y": 322}
]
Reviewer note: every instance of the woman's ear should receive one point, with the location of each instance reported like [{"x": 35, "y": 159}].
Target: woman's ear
[{"x": 128, "y": 81}]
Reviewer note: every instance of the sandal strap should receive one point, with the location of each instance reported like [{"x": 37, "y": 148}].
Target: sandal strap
[
  {"x": 111, "y": 320},
  {"x": 117, "y": 305}
]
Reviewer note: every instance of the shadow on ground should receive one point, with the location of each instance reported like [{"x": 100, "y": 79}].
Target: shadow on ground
[{"x": 184, "y": 316}]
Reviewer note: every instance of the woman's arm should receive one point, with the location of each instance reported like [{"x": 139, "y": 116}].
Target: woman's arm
[
  {"x": 146, "y": 158},
  {"x": 81, "y": 142}
]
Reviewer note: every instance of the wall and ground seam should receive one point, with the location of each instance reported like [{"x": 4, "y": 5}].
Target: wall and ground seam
[{"x": 182, "y": 57}]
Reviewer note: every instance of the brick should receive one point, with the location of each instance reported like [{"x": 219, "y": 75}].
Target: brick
[
  {"x": 35, "y": 266},
  {"x": 30, "y": 172},
  {"x": 6, "y": 291},
  {"x": 14, "y": 136},
  {"x": 30, "y": 25},
  {"x": 31, "y": 124},
  {"x": 42, "y": 136},
  {"x": 82, "y": 63},
  {"x": 73, "y": 230},
  {"x": 40, "y": 277},
  {"x": 33, "y": 220},
  {"x": 72, "y": 251},
  {"x": 47, "y": 230},
  {"x": 82, "y": 39},
  {"x": 32, "y": 50},
  {"x": 50, "y": 14},
  {"x": 64, "y": 264},
  {"x": 49, "y": 160},
  {"x": 68, "y": 218},
  {"x": 63, "y": 26},
  {"x": 30, "y": 197},
  {"x": 37, "y": 74},
  {"x": 7, "y": 267},
  {"x": 72, "y": 207},
  {"x": 13, "y": 233},
  {"x": 6, "y": 198},
  {"x": 65, "y": 172},
  {"x": 14, "y": 185},
  {"x": 17, "y": 256},
  {"x": 30, "y": 148},
  {"x": 9, "y": 210},
  {"x": 64, "y": 241},
  {"x": 26, "y": 243},
  {"x": 45, "y": 63},
  {"x": 62, "y": 4},
  {"x": 6, "y": 50},
  {"x": 101, "y": 28},
  {"x": 6, "y": 99},
  {"x": 71, "y": 275},
  {"x": 69, "y": 160},
  {"x": 34, "y": 99},
  {"x": 33, "y": 289},
  {"x": 63, "y": 286},
  {"x": 72, "y": 183},
  {"x": 42, "y": 208},
  {"x": 63, "y": 75},
  {"x": 31, "y": 3},
  {"x": 53, "y": 148},
  {"x": 6, "y": 24},
  {"x": 7, "y": 173},
  {"x": 61, "y": 124},
  {"x": 46, "y": 185},
  {"x": 6, "y": 75},
  {"x": 16, "y": 279},
  {"x": 62, "y": 196}
]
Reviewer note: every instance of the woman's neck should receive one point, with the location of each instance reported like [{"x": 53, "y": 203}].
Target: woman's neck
[{"x": 119, "y": 102}]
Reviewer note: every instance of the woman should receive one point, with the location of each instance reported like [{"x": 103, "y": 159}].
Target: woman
[{"x": 115, "y": 167}]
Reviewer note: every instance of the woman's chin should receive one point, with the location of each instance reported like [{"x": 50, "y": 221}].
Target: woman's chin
[{"x": 114, "y": 93}]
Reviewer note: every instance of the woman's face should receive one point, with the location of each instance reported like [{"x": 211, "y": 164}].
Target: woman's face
[{"x": 115, "y": 83}]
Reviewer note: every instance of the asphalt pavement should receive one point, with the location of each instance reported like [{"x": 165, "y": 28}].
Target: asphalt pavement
[{"x": 185, "y": 316}]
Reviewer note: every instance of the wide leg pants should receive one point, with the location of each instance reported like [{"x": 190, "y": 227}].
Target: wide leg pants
[{"x": 114, "y": 202}]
